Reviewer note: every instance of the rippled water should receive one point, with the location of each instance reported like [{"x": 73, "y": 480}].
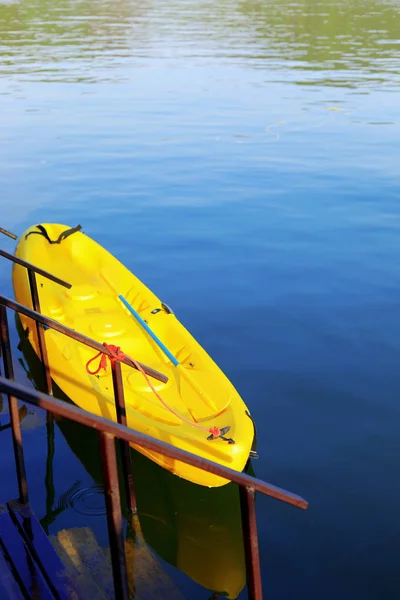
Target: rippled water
[
  {"x": 87, "y": 500},
  {"x": 242, "y": 158}
]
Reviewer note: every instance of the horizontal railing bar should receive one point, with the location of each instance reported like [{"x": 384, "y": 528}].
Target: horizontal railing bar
[
  {"x": 8, "y": 233},
  {"x": 37, "y": 270},
  {"x": 20, "y": 308},
  {"x": 70, "y": 411}
]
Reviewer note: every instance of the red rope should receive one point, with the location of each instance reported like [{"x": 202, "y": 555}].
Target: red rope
[{"x": 117, "y": 354}]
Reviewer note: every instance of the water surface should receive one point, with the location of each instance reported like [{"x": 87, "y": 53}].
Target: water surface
[{"x": 242, "y": 159}]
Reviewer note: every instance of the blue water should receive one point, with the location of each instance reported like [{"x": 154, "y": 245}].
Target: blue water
[{"x": 242, "y": 158}]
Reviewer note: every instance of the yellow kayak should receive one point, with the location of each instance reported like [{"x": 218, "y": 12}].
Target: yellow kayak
[{"x": 109, "y": 304}]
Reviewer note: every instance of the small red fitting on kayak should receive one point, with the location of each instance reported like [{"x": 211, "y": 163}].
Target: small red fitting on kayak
[
  {"x": 116, "y": 354},
  {"x": 215, "y": 432}
]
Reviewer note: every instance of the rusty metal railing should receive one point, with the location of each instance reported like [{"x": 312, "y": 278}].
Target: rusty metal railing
[
  {"x": 108, "y": 431},
  {"x": 32, "y": 270},
  {"x": 8, "y": 233},
  {"x": 40, "y": 322}
]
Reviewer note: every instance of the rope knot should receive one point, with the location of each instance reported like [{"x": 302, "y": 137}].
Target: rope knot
[{"x": 116, "y": 354}]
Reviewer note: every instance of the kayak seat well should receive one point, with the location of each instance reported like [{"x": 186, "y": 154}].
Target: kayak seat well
[
  {"x": 83, "y": 291},
  {"x": 105, "y": 326}
]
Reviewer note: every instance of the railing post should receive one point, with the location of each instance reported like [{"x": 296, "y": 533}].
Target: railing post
[
  {"x": 114, "y": 515},
  {"x": 40, "y": 331},
  {"x": 13, "y": 407},
  {"x": 124, "y": 446},
  {"x": 250, "y": 541},
  {"x": 49, "y": 479}
]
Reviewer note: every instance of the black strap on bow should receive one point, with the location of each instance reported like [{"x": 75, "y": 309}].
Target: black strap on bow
[{"x": 63, "y": 235}]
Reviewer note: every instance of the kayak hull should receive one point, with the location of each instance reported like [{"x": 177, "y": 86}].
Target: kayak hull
[{"x": 196, "y": 397}]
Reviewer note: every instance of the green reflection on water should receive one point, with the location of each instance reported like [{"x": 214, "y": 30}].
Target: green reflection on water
[{"x": 358, "y": 39}]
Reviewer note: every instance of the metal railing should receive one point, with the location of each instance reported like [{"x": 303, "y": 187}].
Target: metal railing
[
  {"x": 40, "y": 322},
  {"x": 108, "y": 431}
]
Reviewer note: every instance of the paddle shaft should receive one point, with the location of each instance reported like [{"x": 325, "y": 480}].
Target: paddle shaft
[
  {"x": 143, "y": 323},
  {"x": 184, "y": 372},
  {"x": 171, "y": 357}
]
